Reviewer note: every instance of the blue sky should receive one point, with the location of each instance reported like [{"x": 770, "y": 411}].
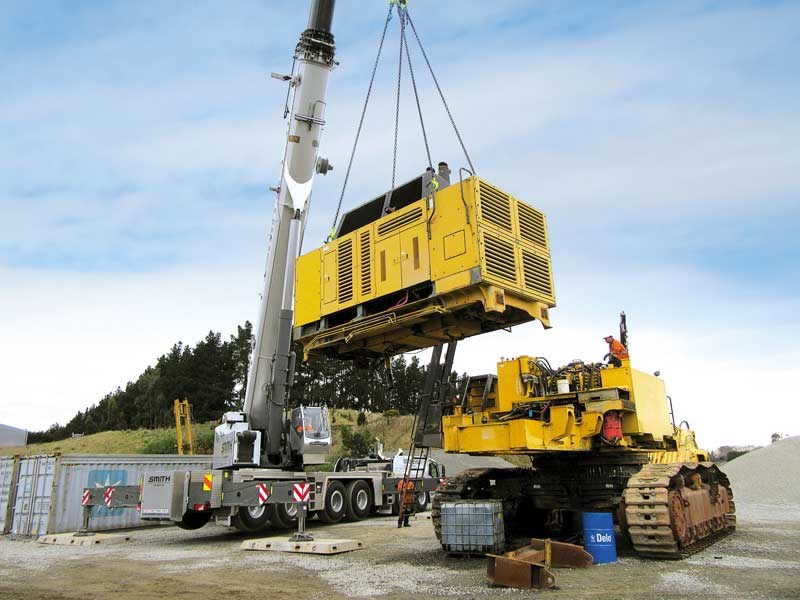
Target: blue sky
[{"x": 659, "y": 138}]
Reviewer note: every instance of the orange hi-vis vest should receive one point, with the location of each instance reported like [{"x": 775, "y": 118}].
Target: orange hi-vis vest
[
  {"x": 617, "y": 349},
  {"x": 409, "y": 486}
]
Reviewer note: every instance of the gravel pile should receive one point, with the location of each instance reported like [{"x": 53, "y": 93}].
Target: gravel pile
[{"x": 767, "y": 476}]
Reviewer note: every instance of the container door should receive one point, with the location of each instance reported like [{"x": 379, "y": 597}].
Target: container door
[
  {"x": 329, "y": 277},
  {"x": 33, "y": 495},
  {"x": 7, "y": 478},
  {"x": 414, "y": 256},
  {"x": 387, "y": 258}
]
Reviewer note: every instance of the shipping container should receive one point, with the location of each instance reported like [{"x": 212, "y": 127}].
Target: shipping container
[
  {"x": 47, "y": 494},
  {"x": 8, "y": 475}
]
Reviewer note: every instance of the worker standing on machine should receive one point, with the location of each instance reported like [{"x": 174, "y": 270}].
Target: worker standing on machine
[
  {"x": 616, "y": 351},
  {"x": 405, "y": 495}
]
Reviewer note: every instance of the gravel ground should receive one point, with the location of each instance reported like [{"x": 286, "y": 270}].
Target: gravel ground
[{"x": 759, "y": 561}]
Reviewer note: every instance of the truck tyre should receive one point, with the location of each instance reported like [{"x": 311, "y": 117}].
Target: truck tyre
[
  {"x": 194, "y": 519},
  {"x": 251, "y": 519},
  {"x": 284, "y": 514},
  {"x": 358, "y": 500},
  {"x": 421, "y": 500},
  {"x": 335, "y": 501}
]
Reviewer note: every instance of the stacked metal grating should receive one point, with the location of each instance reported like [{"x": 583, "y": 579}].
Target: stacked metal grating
[{"x": 473, "y": 527}]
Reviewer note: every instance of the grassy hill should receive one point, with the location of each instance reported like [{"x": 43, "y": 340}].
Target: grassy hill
[{"x": 394, "y": 432}]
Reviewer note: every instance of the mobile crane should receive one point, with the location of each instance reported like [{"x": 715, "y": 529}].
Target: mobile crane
[{"x": 261, "y": 451}]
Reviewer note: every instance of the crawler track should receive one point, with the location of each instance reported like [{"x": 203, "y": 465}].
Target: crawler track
[{"x": 674, "y": 510}]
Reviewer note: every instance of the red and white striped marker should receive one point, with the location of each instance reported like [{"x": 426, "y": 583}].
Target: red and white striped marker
[
  {"x": 301, "y": 492},
  {"x": 263, "y": 493},
  {"x": 86, "y": 495},
  {"x": 107, "y": 496}
]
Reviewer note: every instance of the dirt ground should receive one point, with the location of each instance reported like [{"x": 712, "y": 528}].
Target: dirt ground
[{"x": 761, "y": 560}]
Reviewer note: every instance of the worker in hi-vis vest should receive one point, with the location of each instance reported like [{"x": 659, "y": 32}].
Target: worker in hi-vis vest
[
  {"x": 407, "y": 508},
  {"x": 616, "y": 351}
]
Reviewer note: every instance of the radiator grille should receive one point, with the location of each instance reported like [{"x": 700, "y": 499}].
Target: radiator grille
[
  {"x": 500, "y": 258},
  {"x": 366, "y": 264},
  {"x": 345, "y": 270},
  {"x": 531, "y": 224},
  {"x": 537, "y": 273},
  {"x": 400, "y": 221},
  {"x": 495, "y": 206}
]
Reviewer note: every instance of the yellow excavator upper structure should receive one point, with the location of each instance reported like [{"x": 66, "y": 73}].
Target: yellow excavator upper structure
[
  {"x": 529, "y": 408},
  {"x": 417, "y": 267}
]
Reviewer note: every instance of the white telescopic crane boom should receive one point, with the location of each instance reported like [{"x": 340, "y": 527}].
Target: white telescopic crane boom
[{"x": 272, "y": 364}]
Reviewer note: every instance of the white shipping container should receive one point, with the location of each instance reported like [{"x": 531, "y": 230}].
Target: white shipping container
[
  {"x": 49, "y": 487},
  {"x": 8, "y": 475}
]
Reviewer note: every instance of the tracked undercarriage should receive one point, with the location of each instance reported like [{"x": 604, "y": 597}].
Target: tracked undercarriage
[
  {"x": 667, "y": 511},
  {"x": 674, "y": 510}
]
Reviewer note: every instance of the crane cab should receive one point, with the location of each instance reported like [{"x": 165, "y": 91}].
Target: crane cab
[{"x": 311, "y": 433}]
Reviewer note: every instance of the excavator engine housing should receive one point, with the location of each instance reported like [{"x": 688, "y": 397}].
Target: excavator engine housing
[{"x": 416, "y": 267}]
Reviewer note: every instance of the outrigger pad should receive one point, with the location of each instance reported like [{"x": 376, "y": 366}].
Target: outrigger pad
[
  {"x": 325, "y": 546},
  {"x": 71, "y": 539}
]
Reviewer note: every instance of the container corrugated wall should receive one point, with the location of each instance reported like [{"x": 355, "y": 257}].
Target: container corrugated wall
[
  {"x": 8, "y": 475},
  {"x": 49, "y": 487}
]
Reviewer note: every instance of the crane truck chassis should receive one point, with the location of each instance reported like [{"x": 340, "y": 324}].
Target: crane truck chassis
[{"x": 252, "y": 499}]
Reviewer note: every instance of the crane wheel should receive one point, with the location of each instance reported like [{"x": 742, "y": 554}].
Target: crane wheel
[
  {"x": 358, "y": 500},
  {"x": 194, "y": 519},
  {"x": 335, "y": 502},
  {"x": 251, "y": 519},
  {"x": 284, "y": 515}
]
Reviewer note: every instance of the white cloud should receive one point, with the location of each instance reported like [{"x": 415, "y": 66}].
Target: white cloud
[
  {"x": 652, "y": 137},
  {"x": 69, "y": 338}
]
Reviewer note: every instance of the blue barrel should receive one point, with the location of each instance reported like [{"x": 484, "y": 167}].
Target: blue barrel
[{"x": 598, "y": 537}]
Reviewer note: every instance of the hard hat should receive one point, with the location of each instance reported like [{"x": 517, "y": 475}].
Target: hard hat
[{"x": 608, "y": 337}]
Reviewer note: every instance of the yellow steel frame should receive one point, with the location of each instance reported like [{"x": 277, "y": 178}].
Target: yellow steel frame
[
  {"x": 183, "y": 426},
  {"x": 638, "y": 397}
]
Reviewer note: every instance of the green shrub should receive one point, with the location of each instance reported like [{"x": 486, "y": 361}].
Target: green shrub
[
  {"x": 362, "y": 418},
  {"x": 204, "y": 441},
  {"x": 356, "y": 443},
  {"x": 735, "y": 454},
  {"x": 392, "y": 412},
  {"x": 161, "y": 442}
]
